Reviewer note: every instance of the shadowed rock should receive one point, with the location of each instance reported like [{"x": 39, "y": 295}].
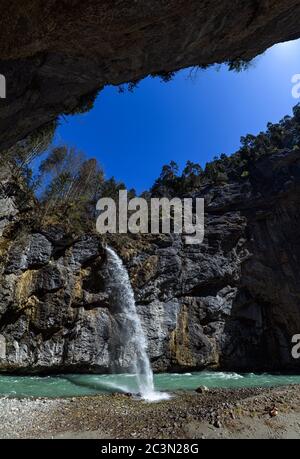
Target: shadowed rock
[{"x": 55, "y": 55}]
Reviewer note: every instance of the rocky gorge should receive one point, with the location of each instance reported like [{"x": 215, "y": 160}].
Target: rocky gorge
[
  {"x": 230, "y": 303},
  {"x": 56, "y": 55}
]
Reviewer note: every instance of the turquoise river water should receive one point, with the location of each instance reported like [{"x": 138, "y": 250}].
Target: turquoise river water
[{"x": 76, "y": 385}]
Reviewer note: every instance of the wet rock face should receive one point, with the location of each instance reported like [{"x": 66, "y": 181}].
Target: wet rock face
[
  {"x": 196, "y": 287},
  {"x": 235, "y": 299},
  {"x": 232, "y": 302},
  {"x": 47, "y": 322},
  {"x": 62, "y": 51}
]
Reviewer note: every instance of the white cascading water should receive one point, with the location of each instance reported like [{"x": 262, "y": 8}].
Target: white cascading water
[{"x": 131, "y": 337}]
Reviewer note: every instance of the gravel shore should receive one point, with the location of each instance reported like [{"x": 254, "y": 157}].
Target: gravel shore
[{"x": 218, "y": 413}]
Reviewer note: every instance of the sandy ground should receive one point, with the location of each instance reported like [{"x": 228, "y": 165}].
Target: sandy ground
[{"x": 242, "y": 413}]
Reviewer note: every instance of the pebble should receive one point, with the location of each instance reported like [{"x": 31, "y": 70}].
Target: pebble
[{"x": 117, "y": 416}]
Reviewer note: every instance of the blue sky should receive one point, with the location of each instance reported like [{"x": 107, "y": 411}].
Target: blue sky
[{"x": 134, "y": 134}]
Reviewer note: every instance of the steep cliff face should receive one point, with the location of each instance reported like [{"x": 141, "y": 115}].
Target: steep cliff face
[
  {"x": 232, "y": 302},
  {"x": 56, "y": 54},
  {"x": 266, "y": 311}
]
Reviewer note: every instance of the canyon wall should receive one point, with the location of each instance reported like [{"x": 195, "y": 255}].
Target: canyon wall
[{"x": 232, "y": 302}]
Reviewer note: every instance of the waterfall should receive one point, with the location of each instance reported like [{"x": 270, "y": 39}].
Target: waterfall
[{"x": 129, "y": 339}]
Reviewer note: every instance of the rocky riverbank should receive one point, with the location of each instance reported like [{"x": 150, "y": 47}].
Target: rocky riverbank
[{"x": 243, "y": 413}]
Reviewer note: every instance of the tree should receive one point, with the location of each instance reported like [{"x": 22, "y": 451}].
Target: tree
[
  {"x": 110, "y": 188},
  {"x": 53, "y": 163},
  {"x": 169, "y": 171},
  {"x": 165, "y": 77},
  {"x": 191, "y": 176},
  {"x": 20, "y": 157},
  {"x": 296, "y": 112},
  {"x": 240, "y": 65},
  {"x": 211, "y": 171},
  {"x": 71, "y": 185},
  {"x": 192, "y": 169}
]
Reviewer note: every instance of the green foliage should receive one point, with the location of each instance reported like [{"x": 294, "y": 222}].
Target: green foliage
[
  {"x": 192, "y": 169},
  {"x": 169, "y": 172},
  {"x": 110, "y": 188},
  {"x": 278, "y": 137},
  {"x": 18, "y": 159},
  {"x": 171, "y": 183},
  {"x": 167, "y": 180},
  {"x": 245, "y": 174},
  {"x": 84, "y": 104},
  {"x": 130, "y": 87},
  {"x": 221, "y": 178},
  {"x": 296, "y": 113},
  {"x": 54, "y": 160},
  {"x": 239, "y": 65},
  {"x": 211, "y": 171},
  {"x": 70, "y": 185},
  {"x": 165, "y": 77}
]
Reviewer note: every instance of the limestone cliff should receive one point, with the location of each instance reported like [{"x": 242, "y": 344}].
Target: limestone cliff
[{"x": 232, "y": 302}]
